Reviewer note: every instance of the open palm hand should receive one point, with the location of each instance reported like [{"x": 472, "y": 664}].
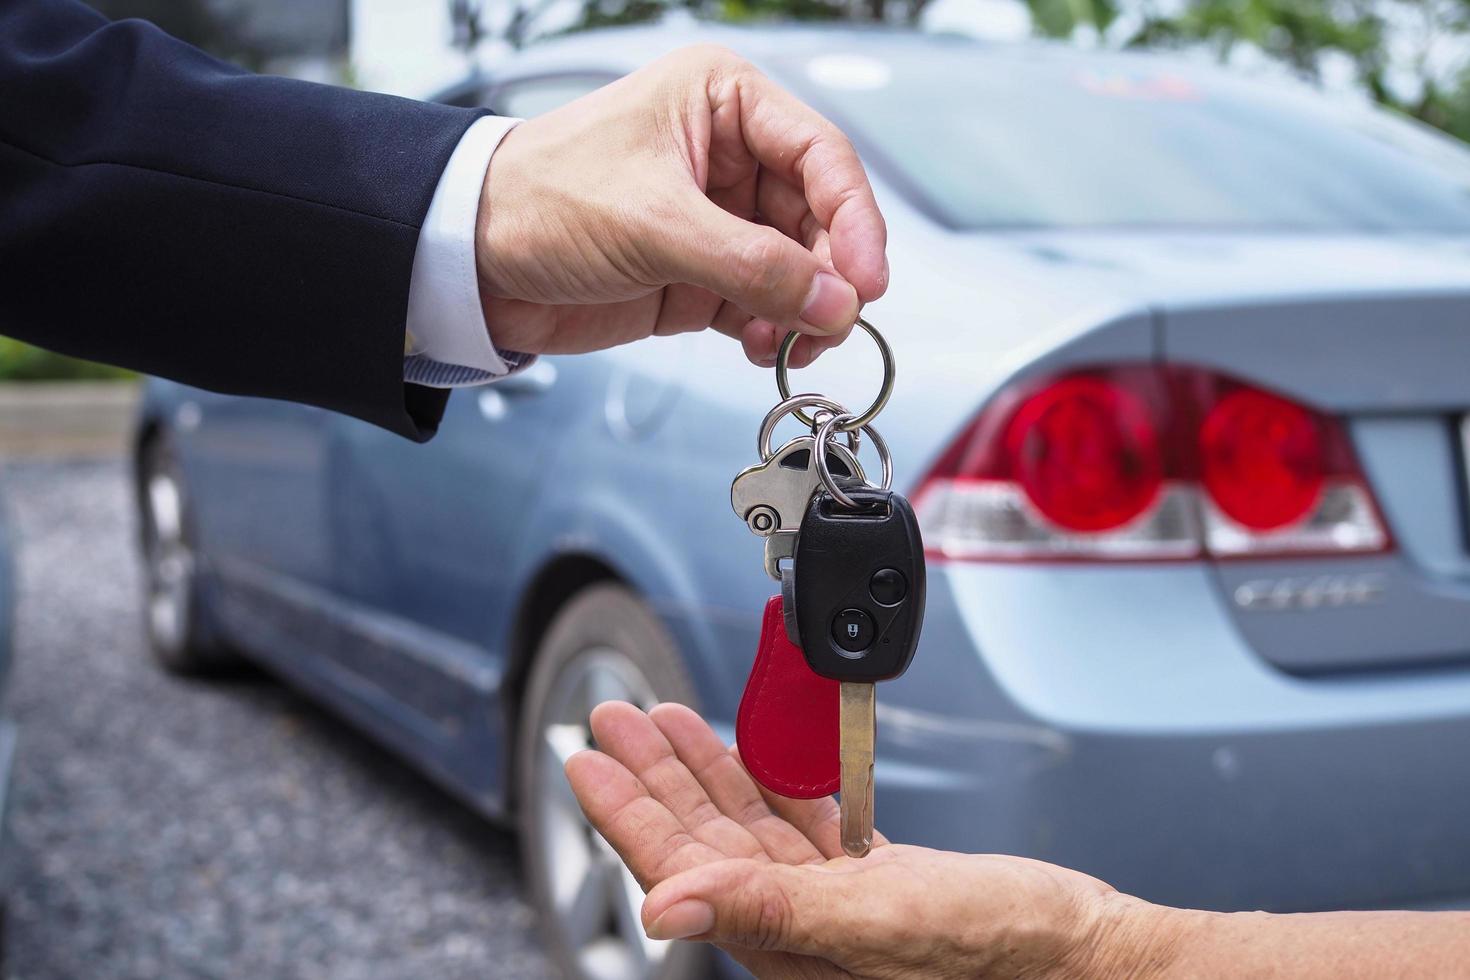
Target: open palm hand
[{"x": 765, "y": 878}]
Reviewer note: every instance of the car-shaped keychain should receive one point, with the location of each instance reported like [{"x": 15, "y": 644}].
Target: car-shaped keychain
[{"x": 772, "y": 495}]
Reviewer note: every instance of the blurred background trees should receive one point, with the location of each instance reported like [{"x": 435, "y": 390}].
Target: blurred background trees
[
  {"x": 22, "y": 362},
  {"x": 1412, "y": 55}
]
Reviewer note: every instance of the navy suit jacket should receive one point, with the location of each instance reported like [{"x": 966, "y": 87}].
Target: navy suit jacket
[{"x": 167, "y": 212}]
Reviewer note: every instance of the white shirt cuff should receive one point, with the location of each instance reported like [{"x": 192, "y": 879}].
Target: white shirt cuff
[{"x": 446, "y": 343}]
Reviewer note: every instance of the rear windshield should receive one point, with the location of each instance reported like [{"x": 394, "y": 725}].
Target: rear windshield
[{"x": 982, "y": 138}]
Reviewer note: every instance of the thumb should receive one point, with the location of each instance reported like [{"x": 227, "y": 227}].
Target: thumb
[
  {"x": 755, "y": 904},
  {"x": 763, "y": 272}
]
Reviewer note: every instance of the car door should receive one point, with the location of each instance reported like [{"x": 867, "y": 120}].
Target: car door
[
  {"x": 272, "y": 454},
  {"x": 424, "y": 534},
  {"x": 423, "y": 523}
]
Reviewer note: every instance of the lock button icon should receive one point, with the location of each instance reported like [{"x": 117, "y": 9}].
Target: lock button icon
[{"x": 852, "y": 631}]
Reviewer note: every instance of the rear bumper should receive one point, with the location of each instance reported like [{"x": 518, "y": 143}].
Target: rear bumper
[{"x": 1113, "y": 721}]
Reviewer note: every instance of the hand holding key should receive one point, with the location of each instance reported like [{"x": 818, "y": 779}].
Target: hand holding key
[
  {"x": 691, "y": 193},
  {"x": 764, "y": 876}
]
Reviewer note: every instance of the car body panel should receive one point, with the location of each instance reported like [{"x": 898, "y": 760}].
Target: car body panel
[
  {"x": 9, "y": 733},
  {"x": 7, "y": 591}
]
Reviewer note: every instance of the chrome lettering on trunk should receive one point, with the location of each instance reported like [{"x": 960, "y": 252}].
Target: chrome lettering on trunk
[{"x": 1312, "y": 592}]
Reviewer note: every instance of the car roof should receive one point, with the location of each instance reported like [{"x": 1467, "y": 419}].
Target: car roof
[
  {"x": 631, "y": 46},
  {"x": 623, "y": 49}
]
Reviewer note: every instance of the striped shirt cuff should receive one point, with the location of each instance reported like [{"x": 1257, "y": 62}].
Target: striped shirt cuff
[
  {"x": 446, "y": 343},
  {"x": 420, "y": 369}
]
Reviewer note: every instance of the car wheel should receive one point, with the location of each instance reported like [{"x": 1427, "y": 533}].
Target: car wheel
[
  {"x": 604, "y": 645},
  {"x": 173, "y": 607}
]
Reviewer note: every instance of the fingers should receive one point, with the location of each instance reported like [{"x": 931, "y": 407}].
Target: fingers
[
  {"x": 761, "y": 338},
  {"x": 761, "y": 341},
  {"x": 760, "y": 270},
  {"x": 730, "y": 320},
  {"x": 799, "y": 146},
  {"x": 806, "y": 909},
  {"x": 819, "y": 820},
  {"x": 650, "y": 839},
  {"x": 647, "y": 836},
  {"x": 729, "y": 786},
  {"x": 783, "y": 206},
  {"x": 771, "y": 157},
  {"x": 628, "y": 735},
  {"x": 684, "y": 308}
]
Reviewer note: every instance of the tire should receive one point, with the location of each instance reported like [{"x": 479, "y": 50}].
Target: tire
[
  {"x": 174, "y": 611},
  {"x": 604, "y": 644}
]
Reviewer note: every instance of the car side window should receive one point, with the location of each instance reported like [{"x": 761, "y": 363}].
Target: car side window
[{"x": 532, "y": 96}]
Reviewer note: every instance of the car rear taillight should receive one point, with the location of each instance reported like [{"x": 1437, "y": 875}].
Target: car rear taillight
[
  {"x": 1087, "y": 453},
  {"x": 1146, "y": 462}
]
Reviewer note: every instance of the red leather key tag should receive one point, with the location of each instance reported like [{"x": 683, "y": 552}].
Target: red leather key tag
[{"x": 787, "y": 724}]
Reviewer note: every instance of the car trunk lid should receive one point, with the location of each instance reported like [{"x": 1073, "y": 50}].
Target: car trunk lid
[{"x": 1394, "y": 365}]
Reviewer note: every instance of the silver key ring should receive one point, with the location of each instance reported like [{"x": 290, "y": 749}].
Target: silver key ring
[
  {"x": 794, "y": 403},
  {"x": 854, "y": 438},
  {"x": 824, "y": 435},
  {"x": 783, "y": 383}
]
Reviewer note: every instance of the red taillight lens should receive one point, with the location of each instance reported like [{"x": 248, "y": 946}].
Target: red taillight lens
[
  {"x": 1261, "y": 459},
  {"x": 1146, "y": 461},
  {"x": 1086, "y": 453}
]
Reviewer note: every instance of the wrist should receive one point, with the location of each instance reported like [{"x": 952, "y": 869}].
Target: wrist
[
  {"x": 496, "y": 222},
  {"x": 1127, "y": 937}
]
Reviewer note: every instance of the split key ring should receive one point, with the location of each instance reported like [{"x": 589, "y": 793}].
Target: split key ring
[{"x": 850, "y": 423}]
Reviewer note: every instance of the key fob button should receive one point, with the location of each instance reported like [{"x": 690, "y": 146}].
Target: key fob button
[
  {"x": 852, "y": 630},
  {"x": 888, "y": 586}
]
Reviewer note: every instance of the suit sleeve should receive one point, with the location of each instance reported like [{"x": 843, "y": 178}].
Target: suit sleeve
[{"x": 167, "y": 212}]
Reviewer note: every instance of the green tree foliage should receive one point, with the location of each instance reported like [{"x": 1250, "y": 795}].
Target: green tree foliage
[
  {"x": 610, "y": 13},
  {"x": 1299, "y": 33},
  {"x": 21, "y": 362},
  {"x": 1059, "y": 18},
  {"x": 1303, "y": 33}
]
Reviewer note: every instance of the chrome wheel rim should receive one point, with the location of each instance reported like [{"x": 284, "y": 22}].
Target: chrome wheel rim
[
  {"x": 170, "y": 563},
  {"x": 593, "y": 896}
]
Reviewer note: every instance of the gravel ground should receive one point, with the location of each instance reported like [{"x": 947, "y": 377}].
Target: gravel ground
[{"x": 162, "y": 828}]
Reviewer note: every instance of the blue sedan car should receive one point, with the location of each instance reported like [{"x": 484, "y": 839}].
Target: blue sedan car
[{"x": 1183, "y": 367}]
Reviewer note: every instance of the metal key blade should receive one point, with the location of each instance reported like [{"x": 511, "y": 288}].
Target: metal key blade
[{"x": 855, "y": 754}]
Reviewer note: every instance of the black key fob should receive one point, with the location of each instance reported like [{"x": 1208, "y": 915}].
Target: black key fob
[{"x": 859, "y": 585}]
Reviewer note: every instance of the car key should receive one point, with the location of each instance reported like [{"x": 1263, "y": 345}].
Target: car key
[
  {"x": 787, "y": 721},
  {"x": 848, "y": 622},
  {"x": 859, "y": 595}
]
